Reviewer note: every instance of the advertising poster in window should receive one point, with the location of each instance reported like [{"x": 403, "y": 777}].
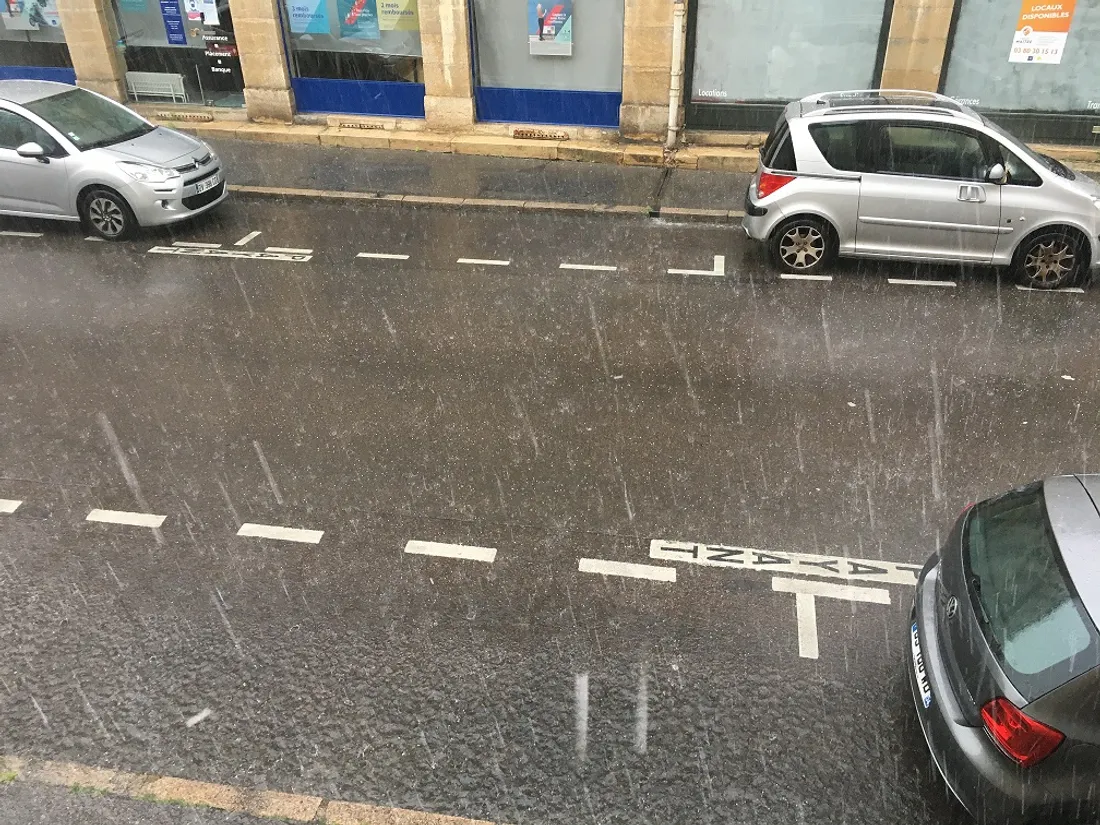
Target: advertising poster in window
[
  {"x": 398, "y": 16},
  {"x": 1041, "y": 31},
  {"x": 29, "y": 15},
  {"x": 308, "y": 16},
  {"x": 359, "y": 20},
  {"x": 550, "y": 27}
]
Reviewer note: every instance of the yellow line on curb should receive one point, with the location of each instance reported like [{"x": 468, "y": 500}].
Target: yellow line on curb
[{"x": 175, "y": 790}]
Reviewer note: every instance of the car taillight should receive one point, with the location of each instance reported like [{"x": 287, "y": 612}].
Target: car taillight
[
  {"x": 1020, "y": 738},
  {"x": 769, "y": 182}
]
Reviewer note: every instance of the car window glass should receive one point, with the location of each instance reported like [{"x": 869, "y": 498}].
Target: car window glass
[
  {"x": 15, "y": 130},
  {"x": 1031, "y": 616},
  {"x": 839, "y": 145},
  {"x": 779, "y": 151},
  {"x": 1019, "y": 173},
  {"x": 934, "y": 151}
]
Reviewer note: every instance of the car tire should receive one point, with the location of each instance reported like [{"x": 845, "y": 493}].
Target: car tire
[
  {"x": 1052, "y": 259},
  {"x": 105, "y": 214},
  {"x": 804, "y": 245}
]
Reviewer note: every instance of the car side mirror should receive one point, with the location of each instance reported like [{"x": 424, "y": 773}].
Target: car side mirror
[
  {"x": 32, "y": 150},
  {"x": 997, "y": 173}
]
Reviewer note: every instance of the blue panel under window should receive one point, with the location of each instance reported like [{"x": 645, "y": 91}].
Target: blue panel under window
[
  {"x": 550, "y": 106},
  {"x": 359, "y": 97},
  {"x": 38, "y": 73}
]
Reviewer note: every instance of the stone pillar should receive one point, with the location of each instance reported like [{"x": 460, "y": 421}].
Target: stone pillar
[
  {"x": 259, "y": 35},
  {"x": 647, "y": 68},
  {"x": 917, "y": 43},
  {"x": 91, "y": 38},
  {"x": 448, "y": 79}
]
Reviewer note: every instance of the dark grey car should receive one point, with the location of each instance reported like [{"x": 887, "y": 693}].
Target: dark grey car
[{"x": 1005, "y": 654}]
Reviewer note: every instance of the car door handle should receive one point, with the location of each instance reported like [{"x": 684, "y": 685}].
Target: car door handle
[{"x": 972, "y": 193}]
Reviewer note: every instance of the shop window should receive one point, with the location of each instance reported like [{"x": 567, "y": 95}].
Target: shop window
[
  {"x": 180, "y": 51},
  {"x": 995, "y": 63},
  {"x": 549, "y": 62},
  {"x": 32, "y": 42},
  {"x": 363, "y": 43}
]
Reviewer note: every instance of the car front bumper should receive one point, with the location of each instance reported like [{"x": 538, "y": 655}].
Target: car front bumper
[
  {"x": 158, "y": 204},
  {"x": 988, "y": 784}
]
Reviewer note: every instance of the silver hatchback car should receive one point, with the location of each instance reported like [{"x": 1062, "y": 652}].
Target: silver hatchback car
[
  {"x": 71, "y": 154},
  {"x": 917, "y": 176}
]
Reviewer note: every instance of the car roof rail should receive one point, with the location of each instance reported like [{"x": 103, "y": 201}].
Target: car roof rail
[{"x": 911, "y": 99}]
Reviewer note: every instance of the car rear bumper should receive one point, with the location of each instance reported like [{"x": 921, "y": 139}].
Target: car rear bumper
[{"x": 989, "y": 785}]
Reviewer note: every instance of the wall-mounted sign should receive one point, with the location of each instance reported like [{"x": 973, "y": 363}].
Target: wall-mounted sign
[
  {"x": 550, "y": 27},
  {"x": 1041, "y": 31}
]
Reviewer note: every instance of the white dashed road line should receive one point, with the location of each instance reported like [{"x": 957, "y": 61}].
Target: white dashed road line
[
  {"x": 9, "y": 505},
  {"x": 631, "y": 571},
  {"x": 917, "y": 282},
  {"x": 590, "y": 267},
  {"x": 267, "y": 531},
  {"x": 452, "y": 551},
  {"x": 382, "y": 256},
  {"x": 12, "y": 234},
  {"x": 288, "y": 250},
  {"x": 125, "y": 517},
  {"x": 195, "y": 245},
  {"x": 94, "y": 238},
  {"x": 1076, "y": 290},
  {"x": 198, "y": 717},
  {"x": 794, "y": 276},
  {"x": 719, "y": 270},
  {"x": 251, "y": 236},
  {"x": 484, "y": 262},
  {"x": 777, "y": 561}
]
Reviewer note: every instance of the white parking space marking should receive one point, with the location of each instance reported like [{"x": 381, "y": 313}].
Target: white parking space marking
[
  {"x": 590, "y": 267},
  {"x": 288, "y": 250},
  {"x": 198, "y": 717},
  {"x": 806, "y": 594},
  {"x": 484, "y": 262},
  {"x": 9, "y": 505},
  {"x": 630, "y": 571},
  {"x": 794, "y": 276},
  {"x": 465, "y": 552},
  {"x": 383, "y": 256},
  {"x": 93, "y": 238},
  {"x": 719, "y": 270},
  {"x": 193, "y": 245},
  {"x": 1076, "y": 290},
  {"x": 267, "y": 531},
  {"x": 917, "y": 282},
  {"x": 210, "y": 252},
  {"x": 251, "y": 236},
  {"x": 13, "y": 234},
  {"x": 125, "y": 517},
  {"x": 791, "y": 564}
]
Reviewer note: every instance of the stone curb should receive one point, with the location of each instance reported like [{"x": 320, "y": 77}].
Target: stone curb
[
  {"x": 176, "y": 791},
  {"x": 668, "y": 212},
  {"x": 718, "y": 152}
]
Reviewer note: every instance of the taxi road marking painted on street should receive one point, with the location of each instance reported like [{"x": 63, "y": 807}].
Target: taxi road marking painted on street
[
  {"x": 778, "y": 561},
  {"x": 210, "y": 252},
  {"x": 125, "y": 517},
  {"x": 627, "y": 570},
  {"x": 268, "y": 531},
  {"x": 806, "y": 592},
  {"x": 9, "y": 505},
  {"x": 719, "y": 270},
  {"x": 452, "y": 551}
]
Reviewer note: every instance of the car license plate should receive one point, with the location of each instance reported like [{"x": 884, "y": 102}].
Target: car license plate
[
  {"x": 923, "y": 684},
  {"x": 209, "y": 183}
]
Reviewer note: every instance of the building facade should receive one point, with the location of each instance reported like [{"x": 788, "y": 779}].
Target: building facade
[{"x": 608, "y": 67}]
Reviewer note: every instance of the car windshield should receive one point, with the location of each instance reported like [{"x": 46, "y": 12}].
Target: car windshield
[
  {"x": 88, "y": 120},
  {"x": 1032, "y": 619},
  {"x": 1046, "y": 161}
]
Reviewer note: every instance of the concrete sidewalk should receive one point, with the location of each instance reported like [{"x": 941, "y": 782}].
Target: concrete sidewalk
[{"x": 477, "y": 180}]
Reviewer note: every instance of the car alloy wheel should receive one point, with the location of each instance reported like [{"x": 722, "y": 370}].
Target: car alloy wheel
[
  {"x": 1049, "y": 264},
  {"x": 802, "y": 247},
  {"x": 106, "y": 216}
]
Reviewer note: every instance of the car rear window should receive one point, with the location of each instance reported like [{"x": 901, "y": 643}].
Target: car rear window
[
  {"x": 1026, "y": 604},
  {"x": 778, "y": 151}
]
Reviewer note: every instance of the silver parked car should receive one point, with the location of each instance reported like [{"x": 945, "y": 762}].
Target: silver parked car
[
  {"x": 71, "y": 154},
  {"x": 917, "y": 176}
]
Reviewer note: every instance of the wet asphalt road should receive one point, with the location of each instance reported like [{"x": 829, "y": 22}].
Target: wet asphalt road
[{"x": 551, "y": 414}]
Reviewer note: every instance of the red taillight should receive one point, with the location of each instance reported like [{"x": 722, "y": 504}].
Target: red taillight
[
  {"x": 964, "y": 510},
  {"x": 769, "y": 182},
  {"x": 1019, "y": 737}
]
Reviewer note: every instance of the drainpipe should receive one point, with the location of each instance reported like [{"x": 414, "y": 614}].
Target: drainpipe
[{"x": 676, "y": 82}]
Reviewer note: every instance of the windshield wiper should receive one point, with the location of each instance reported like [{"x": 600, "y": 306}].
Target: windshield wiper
[{"x": 125, "y": 136}]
